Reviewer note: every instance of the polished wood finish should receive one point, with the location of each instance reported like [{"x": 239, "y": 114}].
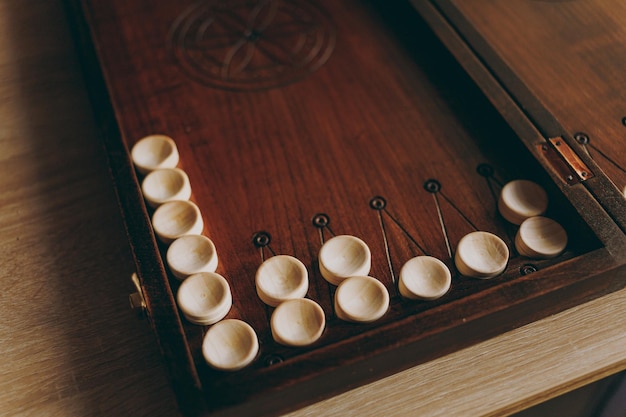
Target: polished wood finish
[
  {"x": 71, "y": 346},
  {"x": 562, "y": 62},
  {"x": 382, "y": 120}
]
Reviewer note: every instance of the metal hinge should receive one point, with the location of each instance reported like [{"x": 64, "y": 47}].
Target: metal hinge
[{"x": 565, "y": 162}]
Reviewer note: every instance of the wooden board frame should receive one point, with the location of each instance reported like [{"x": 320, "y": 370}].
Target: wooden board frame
[{"x": 413, "y": 339}]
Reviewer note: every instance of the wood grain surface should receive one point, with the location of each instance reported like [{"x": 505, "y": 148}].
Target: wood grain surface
[
  {"x": 571, "y": 56},
  {"x": 563, "y": 62},
  {"x": 71, "y": 345}
]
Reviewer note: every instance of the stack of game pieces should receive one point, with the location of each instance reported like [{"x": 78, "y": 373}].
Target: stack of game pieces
[
  {"x": 523, "y": 203},
  {"x": 204, "y": 298},
  {"x": 540, "y": 238}
]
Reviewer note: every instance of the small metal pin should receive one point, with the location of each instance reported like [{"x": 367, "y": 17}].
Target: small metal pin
[
  {"x": 321, "y": 220},
  {"x": 272, "y": 360},
  {"x": 581, "y": 138},
  {"x": 261, "y": 239},
  {"x": 432, "y": 186},
  {"x": 528, "y": 269},
  {"x": 378, "y": 203}
]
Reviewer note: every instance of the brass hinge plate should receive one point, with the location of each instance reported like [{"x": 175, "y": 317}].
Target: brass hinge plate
[{"x": 565, "y": 161}]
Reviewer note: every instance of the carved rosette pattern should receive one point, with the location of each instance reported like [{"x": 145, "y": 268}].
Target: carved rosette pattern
[{"x": 251, "y": 45}]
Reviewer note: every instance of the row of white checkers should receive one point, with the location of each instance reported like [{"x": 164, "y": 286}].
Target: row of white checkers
[
  {"x": 204, "y": 297},
  {"x": 282, "y": 281}
]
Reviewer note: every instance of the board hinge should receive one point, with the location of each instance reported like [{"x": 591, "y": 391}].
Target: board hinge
[{"x": 565, "y": 162}]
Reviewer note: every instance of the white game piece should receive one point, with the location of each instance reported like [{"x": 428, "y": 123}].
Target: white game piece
[
  {"x": 191, "y": 254},
  {"x": 521, "y": 199},
  {"x": 297, "y": 322},
  {"x": 281, "y": 278},
  {"x": 175, "y": 219},
  {"x": 361, "y": 299},
  {"x": 342, "y": 257},
  {"x": 153, "y": 152},
  {"x": 230, "y": 345},
  {"x": 541, "y": 238},
  {"x": 165, "y": 184},
  {"x": 424, "y": 278},
  {"x": 481, "y": 255},
  {"x": 204, "y": 298}
]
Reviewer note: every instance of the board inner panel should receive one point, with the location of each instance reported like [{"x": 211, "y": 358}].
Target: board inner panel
[{"x": 298, "y": 121}]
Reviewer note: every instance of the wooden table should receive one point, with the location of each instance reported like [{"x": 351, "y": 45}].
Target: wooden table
[{"x": 70, "y": 343}]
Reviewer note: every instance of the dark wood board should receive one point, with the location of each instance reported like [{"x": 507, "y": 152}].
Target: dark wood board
[{"x": 371, "y": 105}]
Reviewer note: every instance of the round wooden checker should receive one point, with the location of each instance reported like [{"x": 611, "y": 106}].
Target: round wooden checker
[{"x": 521, "y": 199}]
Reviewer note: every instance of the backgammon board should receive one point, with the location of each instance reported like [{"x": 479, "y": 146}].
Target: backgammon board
[{"x": 298, "y": 122}]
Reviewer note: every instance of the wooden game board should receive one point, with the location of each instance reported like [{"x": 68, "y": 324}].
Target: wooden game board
[{"x": 298, "y": 120}]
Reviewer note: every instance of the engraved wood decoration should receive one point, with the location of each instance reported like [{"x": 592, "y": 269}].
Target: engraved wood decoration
[
  {"x": 286, "y": 146},
  {"x": 251, "y": 45}
]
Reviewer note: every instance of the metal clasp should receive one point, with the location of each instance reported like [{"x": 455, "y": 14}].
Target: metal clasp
[{"x": 136, "y": 299}]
